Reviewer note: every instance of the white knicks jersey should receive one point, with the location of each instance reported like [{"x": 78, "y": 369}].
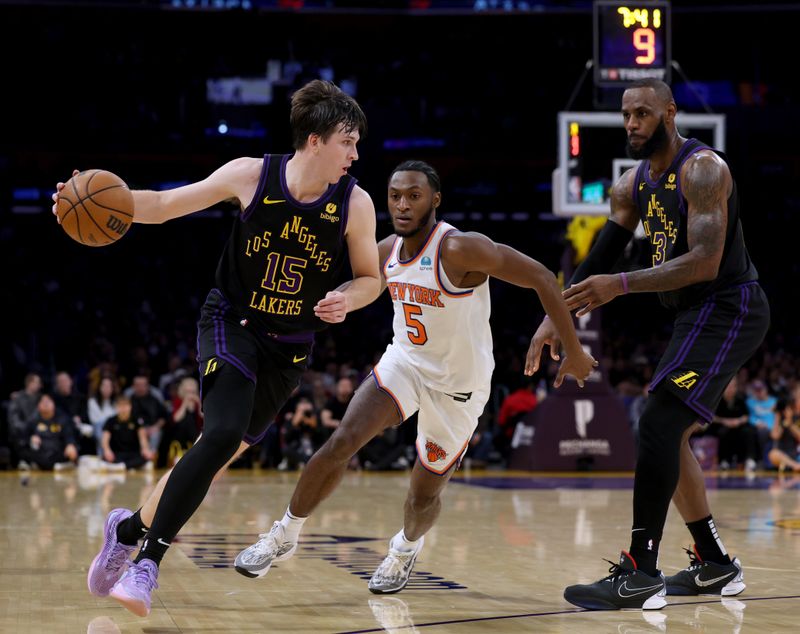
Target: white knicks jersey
[{"x": 442, "y": 330}]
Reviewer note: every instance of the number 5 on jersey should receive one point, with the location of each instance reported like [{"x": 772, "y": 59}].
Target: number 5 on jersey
[{"x": 416, "y": 330}]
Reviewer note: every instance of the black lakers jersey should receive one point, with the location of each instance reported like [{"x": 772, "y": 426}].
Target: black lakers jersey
[
  {"x": 663, "y": 209},
  {"x": 283, "y": 256}
]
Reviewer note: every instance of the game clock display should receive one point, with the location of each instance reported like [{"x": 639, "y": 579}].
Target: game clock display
[{"x": 631, "y": 41}]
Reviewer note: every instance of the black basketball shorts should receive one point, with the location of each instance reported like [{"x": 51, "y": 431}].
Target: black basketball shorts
[
  {"x": 274, "y": 363},
  {"x": 709, "y": 343}
]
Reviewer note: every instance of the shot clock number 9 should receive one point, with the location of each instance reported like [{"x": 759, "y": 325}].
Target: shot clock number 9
[{"x": 631, "y": 41}]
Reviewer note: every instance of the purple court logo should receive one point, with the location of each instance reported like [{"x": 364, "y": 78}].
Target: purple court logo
[{"x": 218, "y": 550}]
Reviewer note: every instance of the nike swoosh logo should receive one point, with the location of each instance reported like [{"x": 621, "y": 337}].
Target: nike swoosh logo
[
  {"x": 628, "y": 594},
  {"x": 267, "y": 201},
  {"x": 709, "y": 582},
  {"x": 162, "y": 542},
  {"x": 391, "y": 266},
  {"x": 298, "y": 359}
]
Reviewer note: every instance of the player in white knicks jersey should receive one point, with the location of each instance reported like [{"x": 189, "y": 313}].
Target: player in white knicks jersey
[
  {"x": 440, "y": 360},
  {"x": 439, "y": 364}
]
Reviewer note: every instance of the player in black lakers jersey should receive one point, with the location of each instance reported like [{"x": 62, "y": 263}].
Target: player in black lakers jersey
[
  {"x": 685, "y": 196},
  {"x": 299, "y": 215}
]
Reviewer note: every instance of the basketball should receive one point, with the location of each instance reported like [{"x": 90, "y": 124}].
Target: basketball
[{"x": 95, "y": 208}]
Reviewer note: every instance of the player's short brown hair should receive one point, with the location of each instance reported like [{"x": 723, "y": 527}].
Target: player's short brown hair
[{"x": 320, "y": 107}]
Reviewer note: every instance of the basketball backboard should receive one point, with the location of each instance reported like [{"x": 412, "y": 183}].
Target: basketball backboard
[{"x": 591, "y": 156}]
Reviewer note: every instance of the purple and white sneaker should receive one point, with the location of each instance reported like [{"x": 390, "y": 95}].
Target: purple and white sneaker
[
  {"x": 133, "y": 590},
  {"x": 111, "y": 561}
]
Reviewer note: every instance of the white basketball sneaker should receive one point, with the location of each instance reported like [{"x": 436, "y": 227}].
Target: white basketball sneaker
[{"x": 255, "y": 561}]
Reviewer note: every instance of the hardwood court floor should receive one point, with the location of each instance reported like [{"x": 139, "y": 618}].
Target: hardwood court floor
[{"x": 505, "y": 547}]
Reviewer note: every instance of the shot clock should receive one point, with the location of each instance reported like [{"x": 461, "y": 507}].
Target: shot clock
[{"x": 631, "y": 41}]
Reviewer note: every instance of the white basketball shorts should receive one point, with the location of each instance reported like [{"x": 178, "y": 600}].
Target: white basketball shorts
[{"x": 446, "y": 420}]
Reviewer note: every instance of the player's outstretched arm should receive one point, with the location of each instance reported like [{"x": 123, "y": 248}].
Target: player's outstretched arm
[
  {"x": 591, "y": 285},
  {"x": 365, "y": 286},
  {"x": 237, "y": 180},
  {"x": 467, "y": 254},
  {"x": 706, "y": 184}
]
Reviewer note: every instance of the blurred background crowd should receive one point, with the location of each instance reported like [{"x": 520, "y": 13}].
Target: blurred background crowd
[{"x": 102, "y": 341}]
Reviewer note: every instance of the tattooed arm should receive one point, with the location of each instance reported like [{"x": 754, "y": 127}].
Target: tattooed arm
[{"x": 707, "y": 183}]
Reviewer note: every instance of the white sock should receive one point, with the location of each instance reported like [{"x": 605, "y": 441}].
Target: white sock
[
  {"x": 292, "y": 526},
  {"x": 399, "y": 542}
]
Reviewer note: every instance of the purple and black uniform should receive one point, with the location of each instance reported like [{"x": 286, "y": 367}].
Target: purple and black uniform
[
  {"x": 282, "y": 257},
  {"x": 720, "y": 323}
]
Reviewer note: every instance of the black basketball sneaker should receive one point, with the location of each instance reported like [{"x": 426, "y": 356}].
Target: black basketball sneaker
[
  {"x": 626, "y": 588},
  {"x": 707, "y": 578}
]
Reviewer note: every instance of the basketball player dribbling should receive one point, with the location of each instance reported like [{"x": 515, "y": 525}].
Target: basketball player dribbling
[
  {"x": 439, "y": 364},
  {"x": 300, "y": 215},
  {"x": 685, "y": 196}
]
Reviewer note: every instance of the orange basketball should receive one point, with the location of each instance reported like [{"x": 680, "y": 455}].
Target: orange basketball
[{"x": 95, "y": 208}]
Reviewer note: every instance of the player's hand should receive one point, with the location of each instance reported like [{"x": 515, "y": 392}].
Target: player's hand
[
  {"x": 332, "y": 308},
  {"x": 546, "y": 334},
  {"x": 59, "y": 187},
  {"x": 578, "y": 365},
  {"x": 108, "y": 455},
  {"x": 592, "y": 293},
  {"x": 71, "y": 452}
]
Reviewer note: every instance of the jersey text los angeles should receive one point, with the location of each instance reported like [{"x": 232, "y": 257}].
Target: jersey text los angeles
[{"x": 283, "y": 256}]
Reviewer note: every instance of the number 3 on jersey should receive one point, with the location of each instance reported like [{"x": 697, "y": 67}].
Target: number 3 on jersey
[{"x": 416, "y": 330}]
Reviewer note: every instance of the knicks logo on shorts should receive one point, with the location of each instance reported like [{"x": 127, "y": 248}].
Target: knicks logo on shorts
[
  {"x": 211, "y": 365},
  {"x": 434, "y": 451},
  {"x": 685, "y": 380}
]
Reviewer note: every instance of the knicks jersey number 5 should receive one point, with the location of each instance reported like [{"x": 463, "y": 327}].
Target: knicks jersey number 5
[{"x": 441, "y": 330}]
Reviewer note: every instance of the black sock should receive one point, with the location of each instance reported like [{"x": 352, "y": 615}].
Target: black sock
[
  {"x": 153, "y": 548},
  {"x": 707, "y": 542},
  {"x": 131, "y": 530},
  {"x": 645, "y": 556}
]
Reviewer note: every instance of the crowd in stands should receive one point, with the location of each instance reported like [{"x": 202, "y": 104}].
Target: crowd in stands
[{"x": 152, "y": 415}]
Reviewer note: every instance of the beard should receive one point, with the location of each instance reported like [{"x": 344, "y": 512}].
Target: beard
[
  {"x": 412, "y": 231},
  {"x": 657, "y": 141}
]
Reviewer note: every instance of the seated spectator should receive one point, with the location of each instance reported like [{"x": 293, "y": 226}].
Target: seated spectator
[
  {"x": 271, "y": 452},
  {"x": 149, "y": 410},
  {"x": 101, "y": 408},
  {"x": 513, "y": 409},
  {"x": 738, "y": 440},
  {"x": 51, "y": 444},
  {"x": 187, "y": 421},
  {"x": 72, "y": 404},
  {"x": 761, "y": 406},
  {"x": 20, "y": 412},
  {"x": 303, "y": 436},
  {"x": 785, "y": 437},
  {"x": 124, "y": 438},
  {"x": 334, "y": 409}
]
